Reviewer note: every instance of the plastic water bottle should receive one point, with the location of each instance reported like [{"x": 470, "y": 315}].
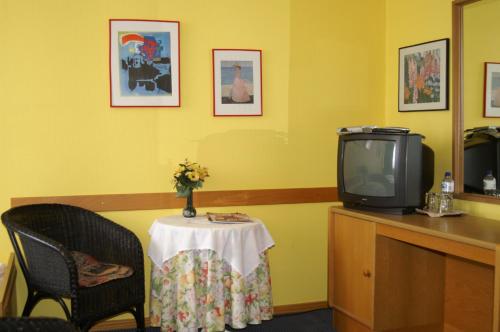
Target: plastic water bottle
[
  {"x": 489, "y": 184},
  {"x": 447, "y": 185}
]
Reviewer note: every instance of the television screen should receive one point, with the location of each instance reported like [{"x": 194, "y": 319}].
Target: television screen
[{"x": 370, "y": 167}]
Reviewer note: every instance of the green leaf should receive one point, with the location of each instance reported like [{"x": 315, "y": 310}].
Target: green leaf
[{"x": 182, "y": 191}]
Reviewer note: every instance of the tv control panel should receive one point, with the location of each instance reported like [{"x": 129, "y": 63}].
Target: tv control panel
[
  {"x": 372, "y": 129},
  {"x": 391, "y": 130}
]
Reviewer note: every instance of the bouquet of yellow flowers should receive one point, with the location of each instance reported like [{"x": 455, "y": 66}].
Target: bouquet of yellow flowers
[{"x": 189, "y": 176}]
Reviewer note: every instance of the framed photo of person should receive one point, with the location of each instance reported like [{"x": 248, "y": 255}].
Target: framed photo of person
[
  {"x": 423, "y": 76},
  {"x": 237, "y": 82},
  {"x": 491, "y": 90},
  {"x": 144, "y": 63}
]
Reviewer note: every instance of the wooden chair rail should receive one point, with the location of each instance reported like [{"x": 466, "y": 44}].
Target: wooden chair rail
[{"x": 158, "y": 201}]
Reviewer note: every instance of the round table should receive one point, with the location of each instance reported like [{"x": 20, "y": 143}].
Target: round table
[{"x": 206, "y": 275}]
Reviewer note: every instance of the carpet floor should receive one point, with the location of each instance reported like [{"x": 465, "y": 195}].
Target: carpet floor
[{"x": 313, "y": 321}]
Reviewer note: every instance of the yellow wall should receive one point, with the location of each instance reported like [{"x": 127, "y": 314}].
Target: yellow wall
[
  {"x": 326, "y": 64},
  {"x": 323, "y": 67},
  {"x": 482, "y": 28},
  {"x": 408, "y": 24}
]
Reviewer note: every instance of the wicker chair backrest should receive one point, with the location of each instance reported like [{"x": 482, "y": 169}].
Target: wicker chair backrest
[{"x": 57, "y": 222}]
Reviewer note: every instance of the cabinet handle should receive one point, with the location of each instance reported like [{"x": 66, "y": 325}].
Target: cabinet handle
[{"x": 367, "y": 273}]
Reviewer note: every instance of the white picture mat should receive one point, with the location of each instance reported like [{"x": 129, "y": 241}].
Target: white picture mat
[
  {"x": 443, "y": 64},
  {"x": 144, "y": 26},
  {"x": 237, "y": 109},
  {"x": 488, "y": 110}
]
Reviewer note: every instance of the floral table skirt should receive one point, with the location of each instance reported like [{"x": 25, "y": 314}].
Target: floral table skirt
[{"x": 195, "y": 289}]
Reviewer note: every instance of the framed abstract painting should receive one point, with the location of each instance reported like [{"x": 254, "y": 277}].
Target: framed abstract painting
[
  {"x": 491, "y": 90},
  {"x": 237, "y": 82},
  {"x": 423, "y": 76},
  {"x": 144, "y": 63}
]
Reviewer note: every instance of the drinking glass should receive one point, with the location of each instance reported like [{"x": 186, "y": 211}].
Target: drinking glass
[
  {"x": 445, "y": 202},
  {"x": 432, "y": 202}
]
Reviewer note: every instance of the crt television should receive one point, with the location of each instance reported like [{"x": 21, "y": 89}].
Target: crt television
[
  {"x": 481, "y": 154},
  {"x": 384, "y": 172}
]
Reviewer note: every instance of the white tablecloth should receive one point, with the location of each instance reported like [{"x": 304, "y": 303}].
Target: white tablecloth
[{"x": 238, "y": 244}]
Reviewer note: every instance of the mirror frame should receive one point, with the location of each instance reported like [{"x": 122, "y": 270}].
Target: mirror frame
[{"x": 458, "y": 115}]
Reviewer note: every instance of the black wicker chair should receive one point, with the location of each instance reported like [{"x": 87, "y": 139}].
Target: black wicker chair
[{"x": 48, "y": 233}]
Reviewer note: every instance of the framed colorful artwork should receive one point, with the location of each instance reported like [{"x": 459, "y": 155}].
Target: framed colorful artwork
[
  {"x": 144, "y": 63},
  {"x": 423, "y": 76},
  {"x": 491, "y": 90},
  {"x": 237, "y": 79}
]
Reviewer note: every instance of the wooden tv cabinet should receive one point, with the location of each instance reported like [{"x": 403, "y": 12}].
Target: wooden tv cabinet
[
  {"x": 8, "y": 289},
  {"x": 413, "y": 273}
]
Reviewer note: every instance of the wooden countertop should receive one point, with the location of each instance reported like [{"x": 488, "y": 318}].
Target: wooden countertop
[{"x": 480, "y": 232}]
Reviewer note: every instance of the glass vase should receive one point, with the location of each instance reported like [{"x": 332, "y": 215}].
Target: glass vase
[{"x": 189, "y": 211}]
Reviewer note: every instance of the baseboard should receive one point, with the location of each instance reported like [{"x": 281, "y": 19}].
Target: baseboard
[
  {"x": 299, "y": 307},
  {"x": 278, "y": 310}
]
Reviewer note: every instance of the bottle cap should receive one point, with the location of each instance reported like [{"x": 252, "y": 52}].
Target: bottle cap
[
  {"x": 447, "y": 173},
  {"x": 489, "y": 172}
]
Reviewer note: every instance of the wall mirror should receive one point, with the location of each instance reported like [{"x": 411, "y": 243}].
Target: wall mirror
[{"x": 476, "y": 97}]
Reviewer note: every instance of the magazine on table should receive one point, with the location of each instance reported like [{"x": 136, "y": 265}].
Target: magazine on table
[{"x": 228, "y": 218}]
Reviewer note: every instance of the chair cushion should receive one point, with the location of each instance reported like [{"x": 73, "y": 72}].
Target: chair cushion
[{"x": 92, "y": 272}]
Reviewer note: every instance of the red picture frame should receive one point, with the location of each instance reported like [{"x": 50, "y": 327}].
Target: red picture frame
[
  {"x": 237, "y": 82},
  {"x": 144, "y": 63},
  {"x": 491, "y": 96}
]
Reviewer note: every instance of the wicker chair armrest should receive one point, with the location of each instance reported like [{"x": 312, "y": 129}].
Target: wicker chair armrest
[{"x": 50, "y": 264}]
